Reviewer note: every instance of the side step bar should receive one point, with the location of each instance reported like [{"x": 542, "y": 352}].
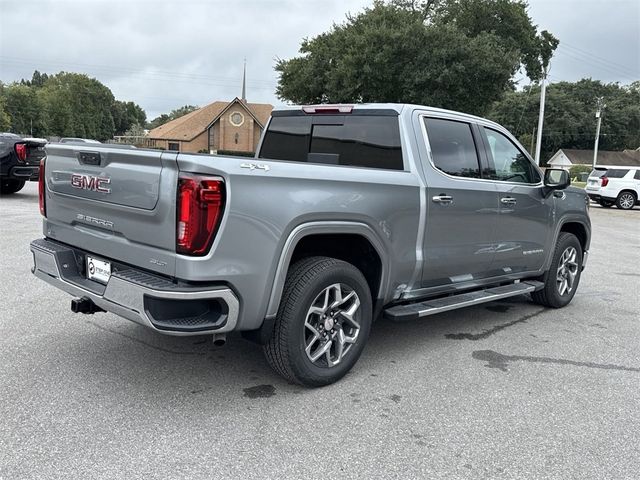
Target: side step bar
[{"x": 413, "y": 311}]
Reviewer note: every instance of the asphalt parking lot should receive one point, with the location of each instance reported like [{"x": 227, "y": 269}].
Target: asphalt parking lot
[{"x": 504, "y": 390}]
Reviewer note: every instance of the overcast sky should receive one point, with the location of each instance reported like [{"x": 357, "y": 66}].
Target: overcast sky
[{"x": 163, "y": 54}]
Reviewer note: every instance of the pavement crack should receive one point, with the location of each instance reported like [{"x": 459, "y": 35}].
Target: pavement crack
[
  {"x": 142, "y": 342},
  {"x": 501, "y": 362},
  {"x": 491, "y": 331}
]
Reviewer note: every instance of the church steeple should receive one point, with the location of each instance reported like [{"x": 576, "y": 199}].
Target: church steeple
[{"x": 244, "y": 82}]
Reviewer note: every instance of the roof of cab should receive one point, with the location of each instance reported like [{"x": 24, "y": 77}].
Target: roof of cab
[{"x": 399, "y": 108}]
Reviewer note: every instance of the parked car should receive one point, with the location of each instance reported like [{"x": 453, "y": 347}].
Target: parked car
[
  {"x": 19, "y": 161},
  {"x": 346, "y": 213},
  {"x": 77, "y": 140},
  {"x": 619, "y": 186}
]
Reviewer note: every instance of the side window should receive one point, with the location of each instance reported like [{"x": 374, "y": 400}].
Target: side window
[
  {"x": 510, "y": 164},
  {"x": 452, "y": 147},
  {"x": 287, "y": 139},
  {"x": 637, "y": 175}
]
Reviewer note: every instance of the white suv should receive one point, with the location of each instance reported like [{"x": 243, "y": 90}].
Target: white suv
[{"x": 619, "y": 186}]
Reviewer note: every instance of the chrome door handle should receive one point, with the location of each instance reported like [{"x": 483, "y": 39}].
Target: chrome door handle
[
  {"x": 508, "y": 200},
  {"x": 442, "y": 199}
]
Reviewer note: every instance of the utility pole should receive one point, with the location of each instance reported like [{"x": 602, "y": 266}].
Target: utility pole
[
  {"x": 600, "y": 106},
  {"x": 533, "y": 137},
  {"x": 543, "y": 90}
]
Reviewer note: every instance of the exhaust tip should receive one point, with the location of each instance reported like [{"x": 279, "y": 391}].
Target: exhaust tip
[{"x": 219, "y": 339}]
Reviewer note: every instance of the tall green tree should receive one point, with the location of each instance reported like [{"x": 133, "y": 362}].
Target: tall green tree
[
  {"x": 457, "y": 54},
  {"x": 66, "y": 104},
  {"x": 570, "y": 115}
]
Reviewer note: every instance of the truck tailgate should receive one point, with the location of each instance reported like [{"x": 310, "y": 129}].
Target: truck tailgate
[{"x": 106, "y": 200}]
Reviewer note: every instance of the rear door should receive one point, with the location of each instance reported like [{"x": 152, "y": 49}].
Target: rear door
[
  {"x": 461, "y": 206},
  {"x": 526, "y": 208},
  {"x": 113, "y": 202}
]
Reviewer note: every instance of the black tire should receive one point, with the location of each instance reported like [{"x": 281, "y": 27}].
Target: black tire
[
  {"x": 626, "y": 200},
  {"x": 285, "y": 350},
  {"x": 606, "y": 203},
  {"x": 550, "y": 295},
  {"x": 11, "y": 185}
]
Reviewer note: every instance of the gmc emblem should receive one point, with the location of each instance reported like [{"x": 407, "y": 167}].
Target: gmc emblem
[{"x": 88, "y": 182}]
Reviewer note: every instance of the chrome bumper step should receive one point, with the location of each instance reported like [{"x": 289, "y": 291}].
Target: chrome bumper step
[{"x": 413, "y": 311}]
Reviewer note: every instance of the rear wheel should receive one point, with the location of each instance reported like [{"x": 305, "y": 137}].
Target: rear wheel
[
  {"x": 322, "y": 324},
  {"x": 626, "y": 200},
  {"x": 563, "y": 277},
  {"x": 10, "y": 185}
]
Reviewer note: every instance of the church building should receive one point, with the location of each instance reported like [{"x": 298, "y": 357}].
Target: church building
[{"x": 233, "y": 127}]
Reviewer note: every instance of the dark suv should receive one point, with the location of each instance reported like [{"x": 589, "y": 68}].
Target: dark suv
[{"x": 19, "y": 161}]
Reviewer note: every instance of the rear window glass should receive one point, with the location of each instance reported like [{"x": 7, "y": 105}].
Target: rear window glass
[
  {"x": 350, "y": 140},
  {"x": 616, "y": 173},
  {"x": 598, "y": 172}
]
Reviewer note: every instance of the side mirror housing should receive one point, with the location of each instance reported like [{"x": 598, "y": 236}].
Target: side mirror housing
[{"x": 556, "y": 178}]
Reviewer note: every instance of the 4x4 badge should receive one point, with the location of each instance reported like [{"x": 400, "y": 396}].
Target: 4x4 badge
[{"x": 255, "y": 166}]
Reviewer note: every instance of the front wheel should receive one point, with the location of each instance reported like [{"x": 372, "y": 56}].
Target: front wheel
[
  {"x": 626, "y": 200},
  {"x": 322, "y": 324},
  {"x": 563, "y": 277},
  {"x": 10, "y": 185}
]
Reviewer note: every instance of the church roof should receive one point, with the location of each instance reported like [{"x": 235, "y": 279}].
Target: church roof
[{"x": 192, "y": 124}]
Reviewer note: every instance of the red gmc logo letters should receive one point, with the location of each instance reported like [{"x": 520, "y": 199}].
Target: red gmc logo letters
[{"x": 89, "y": 182}]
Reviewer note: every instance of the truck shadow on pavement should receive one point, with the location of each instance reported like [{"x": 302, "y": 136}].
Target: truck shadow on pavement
[{"x": 193, "y": 365}]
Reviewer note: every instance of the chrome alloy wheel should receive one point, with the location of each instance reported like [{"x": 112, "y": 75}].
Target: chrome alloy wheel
[
  {"x": 567, "y": 271},
  {"x": 332, "y": 326},
  {"x": 627, "y": 201}
]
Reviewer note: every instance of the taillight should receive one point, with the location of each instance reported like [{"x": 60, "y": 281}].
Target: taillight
[
  {"x": 200, "y": 205},
  {"x": 605, "y": 181},
  {"x": 21, "y": 151},
  {"x": 42, "y": 189}
]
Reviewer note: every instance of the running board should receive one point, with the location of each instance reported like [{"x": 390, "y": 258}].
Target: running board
[{"x": 413, "y": 311}]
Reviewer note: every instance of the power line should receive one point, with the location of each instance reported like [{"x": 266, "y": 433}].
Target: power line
[
  {"x": 155, "y": 74},
  {"x": 602, "y": 67},
  {"x": 596, "y": 57}
]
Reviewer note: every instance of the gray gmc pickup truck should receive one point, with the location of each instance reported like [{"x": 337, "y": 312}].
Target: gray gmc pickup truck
[{"x": 346, "y": 214}]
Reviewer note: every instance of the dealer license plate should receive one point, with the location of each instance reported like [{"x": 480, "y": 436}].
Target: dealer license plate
[{"x": 98, "y": 270}]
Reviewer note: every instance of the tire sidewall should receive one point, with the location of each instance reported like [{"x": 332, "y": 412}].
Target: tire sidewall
[
  {"x": 301, "y": 365},
  {"x": 9, "y": 186},
  {"x": 619, "y": 204},
  {"x": 557, "y": 300}
]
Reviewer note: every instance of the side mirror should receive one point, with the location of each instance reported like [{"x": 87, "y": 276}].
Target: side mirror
[{"x": 556, "y": 178}]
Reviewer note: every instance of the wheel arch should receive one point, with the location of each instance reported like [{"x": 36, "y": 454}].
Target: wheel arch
[
  {"x": 307, "y": 239},
  {"x": 575, "y": 225}
]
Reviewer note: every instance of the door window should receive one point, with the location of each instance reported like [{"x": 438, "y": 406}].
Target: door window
[
  {"x": 509, "y": 163},
  {"x": 637, "y": 175},
  {"x": 452, "y": 147}
]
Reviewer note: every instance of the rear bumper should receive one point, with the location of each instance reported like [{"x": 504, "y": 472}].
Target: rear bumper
[
  {"x": 596, "y": 197},
  {"x": 147, "y": 299},
  {"x": 25, "y": 172}
]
